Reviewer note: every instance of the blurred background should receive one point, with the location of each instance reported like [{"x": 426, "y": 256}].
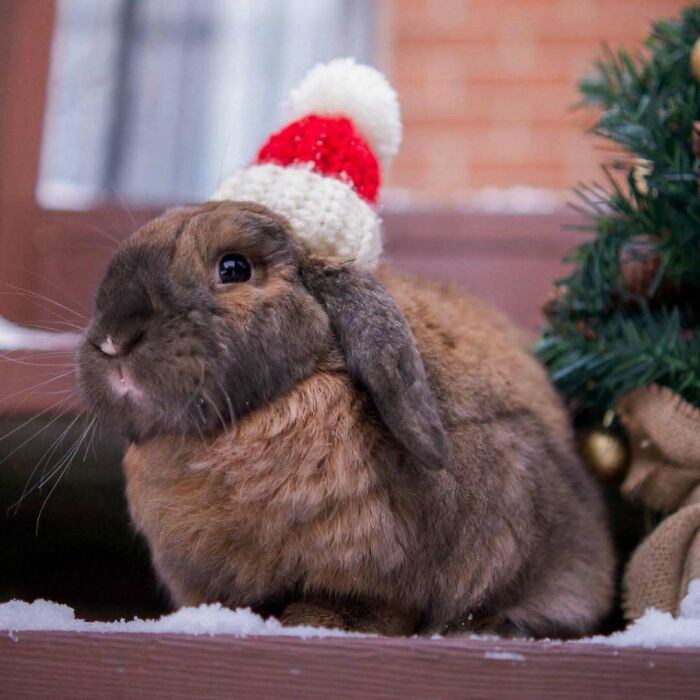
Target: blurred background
[
  {"x": 111, "y": 110},
  {"x": 155, "y": 100}
]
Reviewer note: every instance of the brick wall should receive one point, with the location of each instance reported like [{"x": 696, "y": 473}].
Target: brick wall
[{"x": 486, "y": 87}]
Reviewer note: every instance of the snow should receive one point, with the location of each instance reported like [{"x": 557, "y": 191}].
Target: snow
[
  {"x": 659, "y": 629},
  {"x": 654, "y": 629},
  {"x": 690, "y": 605},
  {"x": 14, "y": 337},
  {"x": 519, "y": 199},
  {"x": 18, "y": 616},
  {"x": 504, "y": 656},
  {"x": 515, "y": 200}
]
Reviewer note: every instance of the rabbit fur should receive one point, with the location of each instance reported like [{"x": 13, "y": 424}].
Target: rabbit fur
[{"x": 335, "y": 447}]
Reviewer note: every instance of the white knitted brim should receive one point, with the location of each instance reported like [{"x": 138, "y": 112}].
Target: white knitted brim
[{"x": 326, "y": 214}]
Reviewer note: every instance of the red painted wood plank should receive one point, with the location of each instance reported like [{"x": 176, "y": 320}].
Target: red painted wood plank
[
  {"x": 26, "y": 27},
  {"x": 89, "y": 665}
]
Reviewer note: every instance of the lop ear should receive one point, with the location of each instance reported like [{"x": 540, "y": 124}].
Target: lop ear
[{"x": 381, "y": 355}]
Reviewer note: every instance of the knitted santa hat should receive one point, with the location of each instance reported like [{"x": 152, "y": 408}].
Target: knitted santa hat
[{"x": 322, "y": 170}]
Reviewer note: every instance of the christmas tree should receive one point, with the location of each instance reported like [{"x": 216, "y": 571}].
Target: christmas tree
[
  {"x": 622, "y": 340},
  {"x": 628, "y": 314}
]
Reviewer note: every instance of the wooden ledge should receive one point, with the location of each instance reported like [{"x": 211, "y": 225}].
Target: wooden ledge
[{"x": 92, "y": 665}]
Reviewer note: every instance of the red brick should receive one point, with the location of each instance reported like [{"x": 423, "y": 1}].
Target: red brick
[{"x": 487, "y": 87}]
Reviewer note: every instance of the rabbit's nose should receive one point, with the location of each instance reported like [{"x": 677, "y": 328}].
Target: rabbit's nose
[
  {"x": 123, "y": 320},
  {"x": 121, "y": 346},
  {"x": 108, "y": 346}
]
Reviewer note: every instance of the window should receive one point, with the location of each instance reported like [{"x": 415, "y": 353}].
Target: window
[{"x": 154, "y": 101}]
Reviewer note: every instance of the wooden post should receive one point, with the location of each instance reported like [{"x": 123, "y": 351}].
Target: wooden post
[{"x": 25, "y": 40}]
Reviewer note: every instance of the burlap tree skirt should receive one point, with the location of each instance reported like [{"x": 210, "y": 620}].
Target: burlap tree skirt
[
  {"x": 661, "y": 568},
  {"x": 664, "y": 433}
]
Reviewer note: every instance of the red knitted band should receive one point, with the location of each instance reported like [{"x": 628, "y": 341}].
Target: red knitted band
[{"x": 334, "y": 148}]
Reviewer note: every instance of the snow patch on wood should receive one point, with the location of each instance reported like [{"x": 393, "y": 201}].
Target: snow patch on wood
[
  {"x": 19, "y": 616},
  {"x": 14, "y": 337},
  {"x": 504, "y": 656},
  {"x": 655, "y": 629},
  {"x": 690, "y": 605}
]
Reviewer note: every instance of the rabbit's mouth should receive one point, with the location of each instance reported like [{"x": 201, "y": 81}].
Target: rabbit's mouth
[
  {"x": 143, "y": 399},
  {"x": 123, "y": 383}
]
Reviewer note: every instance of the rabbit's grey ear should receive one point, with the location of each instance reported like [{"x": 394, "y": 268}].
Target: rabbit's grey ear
[{"x": 381, "y": 355}]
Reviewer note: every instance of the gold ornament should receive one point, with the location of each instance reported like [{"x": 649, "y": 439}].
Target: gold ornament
[
  {"x": 695, "y": 60},
  {"x": 640, "y": 173},
  {"x": 605, "y": 452}
]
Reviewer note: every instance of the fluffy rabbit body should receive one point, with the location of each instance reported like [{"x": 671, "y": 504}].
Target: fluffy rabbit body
[{"x": 338, "y": 448}]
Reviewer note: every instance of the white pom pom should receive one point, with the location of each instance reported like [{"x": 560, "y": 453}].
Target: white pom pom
[{"x": 343, "y": 88}]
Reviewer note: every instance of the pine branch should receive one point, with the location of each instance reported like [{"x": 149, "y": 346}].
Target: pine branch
[
  {"x": 596, "y": 368},
  {"x": 599, "y": 342}
]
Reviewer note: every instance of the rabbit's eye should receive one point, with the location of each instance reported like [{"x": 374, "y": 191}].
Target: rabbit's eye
[{"x": 234, "y": 268}]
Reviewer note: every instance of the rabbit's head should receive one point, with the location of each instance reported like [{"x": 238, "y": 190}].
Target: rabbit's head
[{"x": 208, "y": 312}]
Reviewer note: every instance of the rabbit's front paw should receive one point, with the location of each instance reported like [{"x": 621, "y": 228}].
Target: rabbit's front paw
[
  {"x": 311, "y": 615},
  {"x": 370, "y": 618}
]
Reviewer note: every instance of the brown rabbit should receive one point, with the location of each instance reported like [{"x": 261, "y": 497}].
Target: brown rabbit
[{"x": 370, "y": 453}]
